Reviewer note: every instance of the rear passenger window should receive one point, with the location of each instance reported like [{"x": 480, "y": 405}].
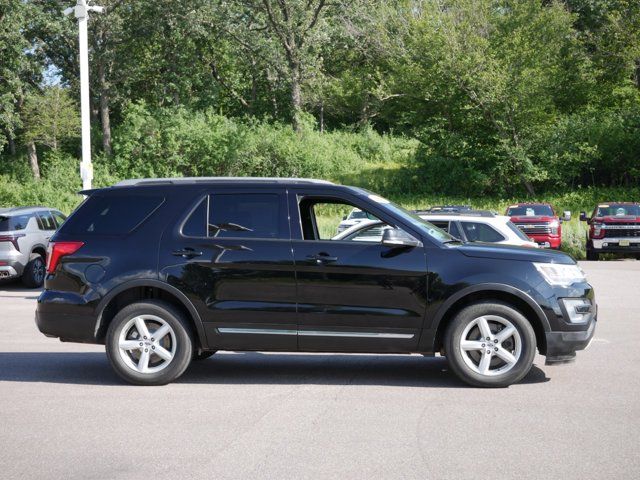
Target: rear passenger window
[
  {"x": 480, "y": 232},
  {"x": 239, "y": 216},
  {"x": 46, "y": 221},
  {"x": 111, "y": 214},
  {"x": 249, "y": 215}
]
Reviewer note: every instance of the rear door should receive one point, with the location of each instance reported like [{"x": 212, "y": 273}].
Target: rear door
[
  {"x": 353, "y": 295},
  {"x": 231, "y": 255}
]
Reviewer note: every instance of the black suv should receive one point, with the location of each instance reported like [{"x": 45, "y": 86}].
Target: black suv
[{"x": 167, "y": 271}]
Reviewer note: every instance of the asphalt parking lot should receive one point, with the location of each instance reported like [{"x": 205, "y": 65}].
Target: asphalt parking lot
[{"x": 64, "y": 414}]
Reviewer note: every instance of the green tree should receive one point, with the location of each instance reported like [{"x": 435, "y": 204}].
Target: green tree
[{"x": 48, "y": 118}]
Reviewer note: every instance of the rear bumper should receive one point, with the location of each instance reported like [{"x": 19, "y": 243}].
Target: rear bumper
[
  {"x": 11, "y": 267},
  {"x": 65, "y": 319}
]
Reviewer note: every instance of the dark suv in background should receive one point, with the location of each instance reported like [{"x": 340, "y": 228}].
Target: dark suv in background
[{"x": 167, "y": 271}]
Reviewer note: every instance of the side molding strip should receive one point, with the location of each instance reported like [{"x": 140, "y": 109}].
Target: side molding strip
[
  {"x": 259, "y": 331},
  {"x": 314, "y": 333}
]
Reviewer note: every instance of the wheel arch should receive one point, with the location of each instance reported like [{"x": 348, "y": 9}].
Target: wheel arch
[
  {"x": 40, "y": 250},
  {"x": 518, "y": 299},
  {"x": 144, "y": 289}
]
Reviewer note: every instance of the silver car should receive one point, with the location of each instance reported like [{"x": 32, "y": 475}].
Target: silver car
[{"x": 24, "y": 236}]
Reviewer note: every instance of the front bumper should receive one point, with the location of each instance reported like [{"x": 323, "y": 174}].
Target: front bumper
[
  {"x": 562, "y": 346},
  {"x": 616, "y": 245},
  {"x": 546, "y": 241}
]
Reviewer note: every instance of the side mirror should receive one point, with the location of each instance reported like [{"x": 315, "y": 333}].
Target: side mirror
[
  {"x": 344, "y": 217},
  {"x": 566, "y": 217},
  {"x": 583, "y": 217},
  {"x": 395, "y": 238}
]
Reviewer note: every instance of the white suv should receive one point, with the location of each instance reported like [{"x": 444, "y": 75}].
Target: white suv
[
  {"x": 480, "y": 226},
  {"x": 24, "y": 237},
  {"x": 468, "y": 226}
]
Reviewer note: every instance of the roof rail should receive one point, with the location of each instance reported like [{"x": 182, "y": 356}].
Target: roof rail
[
  {"x": 447, "y": 208},
  {"x": 188, "y": 180},
  {"x": 465, "y": 213}
]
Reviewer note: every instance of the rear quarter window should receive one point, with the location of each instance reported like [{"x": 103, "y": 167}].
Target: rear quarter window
[
  {"x": 111, "y": 214},
  {"x": 17, "y": 222}
]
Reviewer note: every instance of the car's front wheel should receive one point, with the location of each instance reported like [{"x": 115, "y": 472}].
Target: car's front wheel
[
  {"x": 149, "y": 343},
  {"x": 490, "y": 344}
]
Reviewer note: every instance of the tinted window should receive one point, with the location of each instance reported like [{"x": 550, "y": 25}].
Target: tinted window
[
  {"x": 196, "y": 225},
  {"x": 441, "y": 224},
  {"x": 248, "y": 216},
  {"x": 530, "y": 211},
  {"x": 46, "y": 221},
  {"x": 59, "y": 218},
  {"x": 18, "y": 222},
  {"x": 453, "y": 230},
  {"x": 480, "y": 232},
  {"x": 111, "y": 214}
]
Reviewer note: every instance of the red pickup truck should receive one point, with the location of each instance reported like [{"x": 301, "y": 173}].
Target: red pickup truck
[
  {"x": 539, "y": 222},
  {"x": 614, "y": 227}
]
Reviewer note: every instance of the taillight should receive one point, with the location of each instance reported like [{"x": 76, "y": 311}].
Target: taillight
[
  {"x": 57, "y": 250},
  {"x": 13, "y": 238},
  {"x": 596, "y": 230}
]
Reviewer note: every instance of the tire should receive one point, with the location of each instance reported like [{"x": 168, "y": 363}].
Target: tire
[
  {"x": 34, "y": 272},
  {"x": 203, "y": 355},
  {"x": 166, "y": 357},
  {"x": 502, "y": 369},
  {"x": 592, "y": 256}
]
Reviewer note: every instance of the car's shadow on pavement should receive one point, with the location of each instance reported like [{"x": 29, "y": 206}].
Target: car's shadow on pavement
[{"x": 92, "y": 368}]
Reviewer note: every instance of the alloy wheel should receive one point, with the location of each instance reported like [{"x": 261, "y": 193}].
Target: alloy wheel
[
  {"x": 147, "y": 344},
  {"x": 491, "y": 345}
]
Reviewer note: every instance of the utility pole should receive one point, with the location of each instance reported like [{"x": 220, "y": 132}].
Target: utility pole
[{"x": 81, "y": 11}]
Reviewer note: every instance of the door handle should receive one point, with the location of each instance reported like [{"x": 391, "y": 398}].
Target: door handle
[
  {"x": 186, "y": 253},
  {"x": 320, "y": 258}
]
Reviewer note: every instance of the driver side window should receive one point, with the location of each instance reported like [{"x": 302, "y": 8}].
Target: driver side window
[{"x": 329, "y": 219}]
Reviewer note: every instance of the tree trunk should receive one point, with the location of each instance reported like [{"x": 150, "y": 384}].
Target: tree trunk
[
  {"x": 12, "y": 144},
  {"x": 33, "y": 159},
  {"x": 321, "y": 117},
  {"x": 529, "y": 187},
  {"x": 104, "y": 111},
  {"x": 637, "y": 73},
  {"x": 296, "y": 97}
]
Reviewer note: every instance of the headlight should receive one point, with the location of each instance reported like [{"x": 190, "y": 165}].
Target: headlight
[
  {"x": 555, "y": 225},
  {"x": 560, "y": 274}
]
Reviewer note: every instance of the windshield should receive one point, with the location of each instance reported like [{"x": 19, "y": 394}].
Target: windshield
[
  {"x": 517, "y": 231},
  {"x": 530, "y": 211},
  {"x": 417, "y": 222},
  {"x": 617, "y": 210}
]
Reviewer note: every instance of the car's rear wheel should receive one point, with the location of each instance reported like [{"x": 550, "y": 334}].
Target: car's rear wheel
[
  {"x": 149, "y": 343},
  {"x": 490, "y": 345},
  {"x": 34, "y": 271},
  {"x": 591, "y": 255}
]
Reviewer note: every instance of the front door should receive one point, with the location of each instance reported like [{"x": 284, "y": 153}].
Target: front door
[
  {"x": 232, "y": 257},
  {"x": 353, "y": 294}
]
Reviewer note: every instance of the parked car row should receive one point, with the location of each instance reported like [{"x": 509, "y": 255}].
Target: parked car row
[{"x": 24, "y": 237}]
